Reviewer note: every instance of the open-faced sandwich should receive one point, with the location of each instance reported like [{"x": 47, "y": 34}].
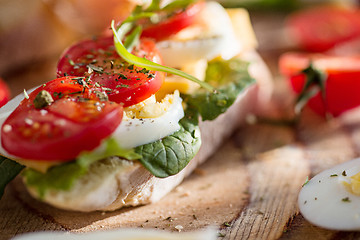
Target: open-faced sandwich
[{"x": 119, "y": 127}]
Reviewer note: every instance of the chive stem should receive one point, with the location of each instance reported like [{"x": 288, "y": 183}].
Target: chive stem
[{"x": 145, "y": 63}]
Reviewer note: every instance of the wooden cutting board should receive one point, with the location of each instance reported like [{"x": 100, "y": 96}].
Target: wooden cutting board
[{"x": 247, "y": 190}]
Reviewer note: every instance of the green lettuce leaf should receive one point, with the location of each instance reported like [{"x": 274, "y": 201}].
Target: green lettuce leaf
[
  {"x": 230, "y": 78},
  {"x": 62, "y": 177},
  {"x": 108, "y": 149},
  {"x": 9, "y": 169}
]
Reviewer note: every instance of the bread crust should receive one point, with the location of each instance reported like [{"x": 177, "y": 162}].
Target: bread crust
[{"x": 114, "y": 183}]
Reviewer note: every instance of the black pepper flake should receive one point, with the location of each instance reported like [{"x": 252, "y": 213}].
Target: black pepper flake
[
  {"x": 144, "y": 71},
  {"x": 74, "y": 93},
  {"x": 81, "y": 82},
  {"x": 344, "y": 173},
  {"x": 58, "y": 94},
  {"x": 346, "y": 199},
  {"x": 77, "y": 78},
  {"x": 170, "y": 219},
  {"x": 122, "y": 76}
]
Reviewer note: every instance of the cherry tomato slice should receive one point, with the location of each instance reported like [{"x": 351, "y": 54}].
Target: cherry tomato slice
[
  {"x": 4, "y": 93},
  {"x": 172, "y": 24},
  {"x": 75, "y": 122},
  {"x": 342, "y": 80},
  {"x": 99, "y": 62},
  {"x": 319, "y": 29}
]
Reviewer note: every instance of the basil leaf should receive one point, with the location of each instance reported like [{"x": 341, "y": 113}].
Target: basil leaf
[
  {"x": 168, "y": 156},
  {"x": 230, "y": 78},
  {"x": 9, "y": 169}
]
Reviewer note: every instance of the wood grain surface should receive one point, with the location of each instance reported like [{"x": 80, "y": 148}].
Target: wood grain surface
[{"x": 247, "y": 190}]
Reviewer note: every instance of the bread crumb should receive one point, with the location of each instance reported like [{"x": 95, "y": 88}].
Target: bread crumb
[
  {"x": 185, "y": 194},
  {"x": 179, "y": 228}
]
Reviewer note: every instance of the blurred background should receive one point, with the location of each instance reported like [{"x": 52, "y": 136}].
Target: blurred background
[{"x": 33, "y": 33}]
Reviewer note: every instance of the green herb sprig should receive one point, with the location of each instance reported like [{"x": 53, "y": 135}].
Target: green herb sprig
[{"x": 145, "y": 63}]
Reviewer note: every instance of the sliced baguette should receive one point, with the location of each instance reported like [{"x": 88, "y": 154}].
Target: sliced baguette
[{"x": 114, "y": 183}]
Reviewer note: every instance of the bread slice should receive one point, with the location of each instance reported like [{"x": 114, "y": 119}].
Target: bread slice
[{"x": 114, "y": 183}]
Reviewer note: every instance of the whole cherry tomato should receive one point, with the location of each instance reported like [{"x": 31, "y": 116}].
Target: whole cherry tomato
[
  {"x": 340, "y": 86},
  {"x": 4, "y": 93},
  {"x": 171, "y": 23},
  {"x": 321, "y": 28}
]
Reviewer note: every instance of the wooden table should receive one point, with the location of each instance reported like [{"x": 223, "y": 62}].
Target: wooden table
[{"x": 247, "y": 190}]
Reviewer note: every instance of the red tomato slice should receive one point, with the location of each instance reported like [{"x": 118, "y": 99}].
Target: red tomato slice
[
  {"x": 342, "y": 80},
  {"x": 172, "y": 24},
  {"x": 124, "y": 83},
  {"x": 76, "y": 121},
  {"x": 4, "y": 93},
  {"x": 319, "y": 29}
]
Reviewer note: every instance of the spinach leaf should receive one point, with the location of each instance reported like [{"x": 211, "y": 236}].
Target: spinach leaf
[
  {"x": 168, "y": 156},
  {"x": 230, "y": 78},
  {"x": 9, "y": 169}
]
